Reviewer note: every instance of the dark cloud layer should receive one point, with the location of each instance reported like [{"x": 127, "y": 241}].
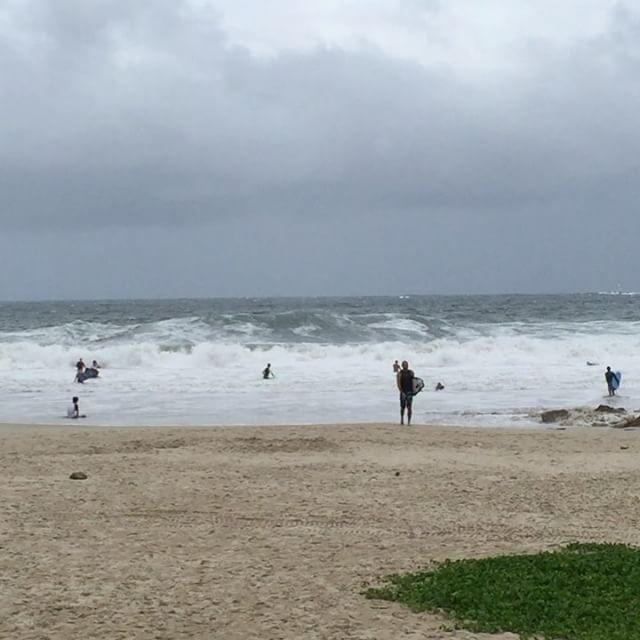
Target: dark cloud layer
[{"x": 137, "y": 136}]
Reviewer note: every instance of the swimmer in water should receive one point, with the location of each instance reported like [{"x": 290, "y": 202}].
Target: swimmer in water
[
  {"x": 73, "y": 411},
  {"x": 267, "y": 373}
]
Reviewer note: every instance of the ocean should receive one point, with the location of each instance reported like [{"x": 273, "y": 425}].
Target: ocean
[{"x": 502, "y": 359}]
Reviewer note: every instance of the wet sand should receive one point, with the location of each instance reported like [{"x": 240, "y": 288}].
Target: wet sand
[{"x": 272, "y": 532}]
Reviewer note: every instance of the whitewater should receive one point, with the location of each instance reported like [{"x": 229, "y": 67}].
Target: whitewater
[{"x": 502, "y": 359}]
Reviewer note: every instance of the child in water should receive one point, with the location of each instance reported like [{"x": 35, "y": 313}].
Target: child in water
[{"x": 73, "y": 411}]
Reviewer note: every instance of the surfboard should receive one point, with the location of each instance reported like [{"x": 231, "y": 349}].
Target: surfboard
[
  {"x": 87, "y": 374},
  {"x": 418, "y": 385},
  {"x": 617, "y": 380}
]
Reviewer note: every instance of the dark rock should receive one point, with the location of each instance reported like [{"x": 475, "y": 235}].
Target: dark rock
[
  {"x": 78, "y": 475},
  {"x": 629, "y": 422},
  {"x": 605, "y": 408},
  {"x": 623, "y": 447},
  {"x": 397, "y": 473},
  {"x": 554, "y": 415}
]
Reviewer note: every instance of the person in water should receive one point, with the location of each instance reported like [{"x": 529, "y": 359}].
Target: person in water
[
  {"x": 404, "y": 380},
  {"x": 439, "y": 386},
  {"x": 396, "y": 367},
  {"x": 267, "y": 373},
  {"x": 95, "y": 365},
  {"x": 611, "y": 377},
  {"x": 74, "y": 409},
  {"x": 80, "y": 366}
]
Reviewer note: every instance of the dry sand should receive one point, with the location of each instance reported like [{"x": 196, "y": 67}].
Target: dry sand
[{"x": 238, "y": 533}]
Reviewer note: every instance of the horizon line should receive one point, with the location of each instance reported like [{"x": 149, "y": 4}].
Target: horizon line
[{"x": 320, "y": 297}]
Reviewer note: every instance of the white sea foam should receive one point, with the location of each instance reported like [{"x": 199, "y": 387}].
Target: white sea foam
[
  {"x": 185, "y": 371},
  {"x": 401, "y": 326},
  {"x": 306, "y": 330}
]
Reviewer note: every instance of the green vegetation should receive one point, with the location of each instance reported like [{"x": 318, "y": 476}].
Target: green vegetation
[{"x": 581, "y": 592}]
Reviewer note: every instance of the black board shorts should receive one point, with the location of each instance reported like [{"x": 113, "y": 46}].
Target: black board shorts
[{"x": 406, "y": 399}]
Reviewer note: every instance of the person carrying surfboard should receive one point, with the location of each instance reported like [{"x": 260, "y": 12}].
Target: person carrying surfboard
[
  {"x": 404, "y": 380},
  {"x": 612, "y": 381}
]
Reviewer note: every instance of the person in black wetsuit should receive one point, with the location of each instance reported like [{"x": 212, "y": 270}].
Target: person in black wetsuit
[
  {"x": 404, "y": 380},
  {"x": 609, "y": 376},
  {"x": 267, "y": 373}
]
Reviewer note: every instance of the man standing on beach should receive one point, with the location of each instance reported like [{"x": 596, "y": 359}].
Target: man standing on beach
[{"x": 404, "y": 380}]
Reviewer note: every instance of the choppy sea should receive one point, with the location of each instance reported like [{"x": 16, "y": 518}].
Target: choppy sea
[{"x": 502, "y": 359}]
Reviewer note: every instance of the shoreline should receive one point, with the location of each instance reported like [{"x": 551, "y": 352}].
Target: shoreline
[
  {"x": 80, "y": 425},
  {"x": 259, "y": 532}
]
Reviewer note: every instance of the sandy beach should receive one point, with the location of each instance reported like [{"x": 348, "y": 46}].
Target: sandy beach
[{"x": 272, "y": 532}]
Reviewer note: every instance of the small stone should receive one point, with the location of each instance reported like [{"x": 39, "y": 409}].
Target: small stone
[
  {"x": 623, "y": 447},
  {"x": 78, "y": 475},
  {"x": 397, "y": 473}
]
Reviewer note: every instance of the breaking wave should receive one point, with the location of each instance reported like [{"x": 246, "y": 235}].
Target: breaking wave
[{"x": 181, "y": 362}]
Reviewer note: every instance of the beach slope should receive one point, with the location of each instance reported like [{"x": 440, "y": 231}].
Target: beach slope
[{"x": 272, "y": 532}]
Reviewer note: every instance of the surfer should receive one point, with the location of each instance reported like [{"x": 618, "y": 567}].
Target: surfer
[
  {"x": 611, "y": 377},
  {"x": 267, "y": 373},
  {"x": 95, "y": 365},
  {"x": 404, "y": 380},
  {"x": 396, "y": 367},
  {"x": 80, "y": 371}
]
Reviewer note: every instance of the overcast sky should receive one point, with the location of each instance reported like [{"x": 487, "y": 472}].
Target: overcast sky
[{"x": 180, "y": 148}]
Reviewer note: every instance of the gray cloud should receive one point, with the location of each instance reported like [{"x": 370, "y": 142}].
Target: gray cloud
[{"x": 123, "y": 120}]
